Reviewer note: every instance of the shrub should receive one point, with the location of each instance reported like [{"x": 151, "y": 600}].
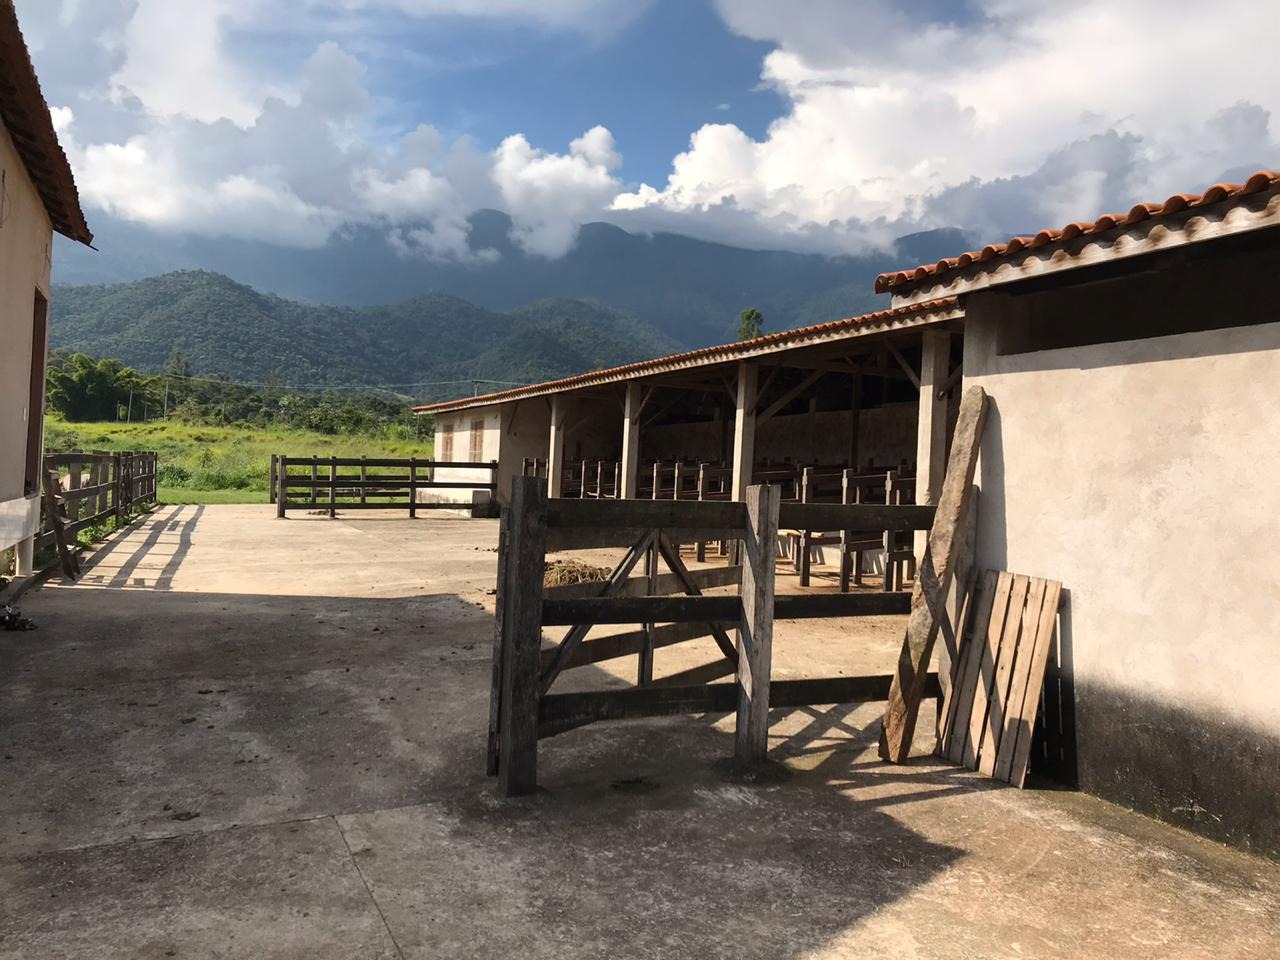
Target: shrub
[{"x": 173, "y": 475}]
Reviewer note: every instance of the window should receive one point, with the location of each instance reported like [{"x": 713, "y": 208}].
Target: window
[
  {"x": 35, "y": 395},
  {"x": 446, "y": 442},
  {"x": 477, "y": 441}
]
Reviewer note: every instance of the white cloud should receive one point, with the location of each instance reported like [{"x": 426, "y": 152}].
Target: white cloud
[{"x": 1017, "y": 117}]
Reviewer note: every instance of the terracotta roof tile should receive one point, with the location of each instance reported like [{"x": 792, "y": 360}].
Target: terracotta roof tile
[{"x": 1262, "y": 180}]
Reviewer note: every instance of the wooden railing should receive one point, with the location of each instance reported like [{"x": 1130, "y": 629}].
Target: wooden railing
[
  {"x": 522, "y": 709},
  {"x": 367, "y": 483},
  {"x": 96, "y": 487}
]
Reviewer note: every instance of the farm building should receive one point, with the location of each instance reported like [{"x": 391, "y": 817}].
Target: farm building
[
  {"x": 37, "y": 197},
  {"x": 1130, "y": 364}
]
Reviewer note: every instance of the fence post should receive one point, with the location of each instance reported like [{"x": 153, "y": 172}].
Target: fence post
[
  {"x": 314, "y": 477},
  {"x": 755, "y": 631},
  {"x": 522, "y": 637},
  {"x": 117, "y": 486},
  {"x": 495, "y": 687},
  {"x": 364, "y": 477},
  {"x": 413, "y": 487},
  {"x": 333, "y": 487},
  {"x": 271, "y": 485},
  {"x": 282, "y": 494}
]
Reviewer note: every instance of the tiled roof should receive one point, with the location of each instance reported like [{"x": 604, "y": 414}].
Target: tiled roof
[
  {"x": 27, "y": 120},
  {"x": 941, "y": 309},
  {"x": 895, "y": 281}
]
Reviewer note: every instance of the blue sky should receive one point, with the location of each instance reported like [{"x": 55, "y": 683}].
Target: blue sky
[{"x": 818, "y": 125}]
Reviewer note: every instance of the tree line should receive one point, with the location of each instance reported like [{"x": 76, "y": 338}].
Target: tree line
[{"x": 87, "y": 389}]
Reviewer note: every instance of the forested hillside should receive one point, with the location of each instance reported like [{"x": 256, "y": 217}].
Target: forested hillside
[{"x": 227, "y": 329}]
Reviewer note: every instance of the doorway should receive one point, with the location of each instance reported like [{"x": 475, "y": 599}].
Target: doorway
[{"x": 35, "y": 396}]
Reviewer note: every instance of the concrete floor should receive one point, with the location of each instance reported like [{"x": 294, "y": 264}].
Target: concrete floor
[{"x": 243, "y": 737}]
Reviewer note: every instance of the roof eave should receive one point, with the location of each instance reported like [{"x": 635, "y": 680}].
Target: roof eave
[
  {"x": 875, "y": 323},
  {"x": 1242, "y": 214}
]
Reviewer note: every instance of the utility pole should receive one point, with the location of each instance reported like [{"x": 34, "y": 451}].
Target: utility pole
[
  {"x": 129, "y": 416},
  {"x": 166, "y": 398}
]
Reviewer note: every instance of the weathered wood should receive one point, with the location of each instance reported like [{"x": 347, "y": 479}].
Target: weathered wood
[
  {"x": 672, "y": 556},
  {"x": 57, "y": 524},
  {"x": 608, "y": 588},
  {"x": 755, "y": 629},
  {"x": 644, "y": 669},
  {"x": 704, "y": 579},
  {"x": 522, "y": 637},
  {"x": 744, "y": 430},
  {"x": 989, "y": 658},
  {"x": 1018, "y": 678},
  {"x": 933, "y": 580},
  {"x": 998, "y": 696},
  {"x": 282, "y": 492},
  {"x": 640, "y": 610},
  {"x": 962, "y": 691},
  {"x": 1026, "y": 713},
  {"x": 612, "y": 514},
  {"x": 613, "y": 645},
  {"x": 495, "y": 685},
  {"x": 822, "y": 605},
  {"x": 598, "y": 538},
  {"x": 855, "y": 516},
  {"x": 562, "y": 711}
]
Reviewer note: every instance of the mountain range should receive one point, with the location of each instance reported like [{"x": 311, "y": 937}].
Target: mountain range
[{"x": 692, "y": 290}]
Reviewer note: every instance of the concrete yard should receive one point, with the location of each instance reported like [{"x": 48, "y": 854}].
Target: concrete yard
[{"x": 247, "y": 737}]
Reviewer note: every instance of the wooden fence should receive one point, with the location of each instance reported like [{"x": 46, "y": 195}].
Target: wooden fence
[
  {"x": 522, "y": 709},
  {"x": 366, "y": 483},
  {"x": 95, "y": 487}
]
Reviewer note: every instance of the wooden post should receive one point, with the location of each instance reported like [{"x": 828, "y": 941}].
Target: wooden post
[
  {"x": 413, "y": 487},
  {"x": 555, "y": 447},
  {"x": 333, "y": 487},
  {"x": 936, "y": 571},
  {"x": 364, "y": 478},
  {"x": 700, "y": 548},
  {"x": 314, "y": 477},
  {"x": 744, "y": 430},
  {"x": 272, "y": 484},
  {"x": 117, "y": 486},
  {"x": 755, "y": 631},
  {"x": 630, "y": 464},
  {"x": 522, "y": 637},
  {"x": 282, "y": 492},
  {"x": 644, "y": 675},
  {"x": 931, "y": 429},
  {"x": 495, "y": 686},
  {"x": 805, "y": 545}
]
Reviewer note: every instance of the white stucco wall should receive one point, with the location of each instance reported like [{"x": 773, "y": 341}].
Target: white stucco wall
[
  {"x": 25, "y": 242},
  {"x": 1144, "y": 475},
  {"x": 459, "y": 425}
]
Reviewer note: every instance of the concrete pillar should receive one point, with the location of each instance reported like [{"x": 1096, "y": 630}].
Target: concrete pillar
[
  {"x": 744, "y": 430},
  {"x": 25, "y": 557},
  {"x": 931, "y": 430},
  {"x": 555, "y": 448},
  {"x": 631, "y": 442}
]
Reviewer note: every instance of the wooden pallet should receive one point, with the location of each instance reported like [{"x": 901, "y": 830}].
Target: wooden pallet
[{"x": 991, "y": 706}]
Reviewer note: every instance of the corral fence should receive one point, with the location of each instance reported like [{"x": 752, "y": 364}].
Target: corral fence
[
  {"x": 93, "y": 488},
  {"x": 523, "y": 709},
  {"x": 367, "y": 483}
]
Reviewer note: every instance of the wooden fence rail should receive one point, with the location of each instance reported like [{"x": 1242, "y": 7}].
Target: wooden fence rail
[
  {"x": 93, "y": 488},
  {"x": 669, "y": 608},
  {"x": 334, "y": 483}
]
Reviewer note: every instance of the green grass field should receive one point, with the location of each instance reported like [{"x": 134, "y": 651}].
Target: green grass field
[{"x": 232, "y": 464}]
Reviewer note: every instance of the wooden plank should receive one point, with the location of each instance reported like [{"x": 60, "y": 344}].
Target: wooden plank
[
  {"x": 993, "y": 728},
  {"x": 1019, "y": 675},
  {"x": 933, "y": 579},
  {"x": 822, "y": 605},
  {"x": 990, "y": 656},
  {"x": 599, "y": 538},
  {"x": 672, "y": 556},
  {"x": 560, "y": 711},
  {"x": 644, "y": 669},
  {"x": 606, "y": 588},
  {"x": 967, "y": 670},
  {"x": 719, "y": 514},
  {"x": 522, "y": 638},
  {"x": 495, "y": 685},
  {"x": 613, "y": 645},
  {"x": 1041, "y": 647},
  {"x": 355, "y": 482},
  {"x": 704, "y": 579},
  {"x": 856, "y": 516},
  {"x": 640, "y": 610},
  {"x": 57, "y": 521},
  {"x": 755, "y": 629}
]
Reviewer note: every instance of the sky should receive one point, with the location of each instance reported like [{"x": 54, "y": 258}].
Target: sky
[{"x": 828, "y": 126}]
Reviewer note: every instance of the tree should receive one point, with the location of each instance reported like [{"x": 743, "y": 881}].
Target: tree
[
  {"x": 750, "y": 324},
  {"x": 82, "y": 388}
]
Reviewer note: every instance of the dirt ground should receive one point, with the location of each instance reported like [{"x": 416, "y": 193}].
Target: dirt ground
[{"x": 248, "y": 737}]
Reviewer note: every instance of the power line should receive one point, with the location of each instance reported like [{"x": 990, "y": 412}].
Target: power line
[{"x": 331, "y": 386}]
